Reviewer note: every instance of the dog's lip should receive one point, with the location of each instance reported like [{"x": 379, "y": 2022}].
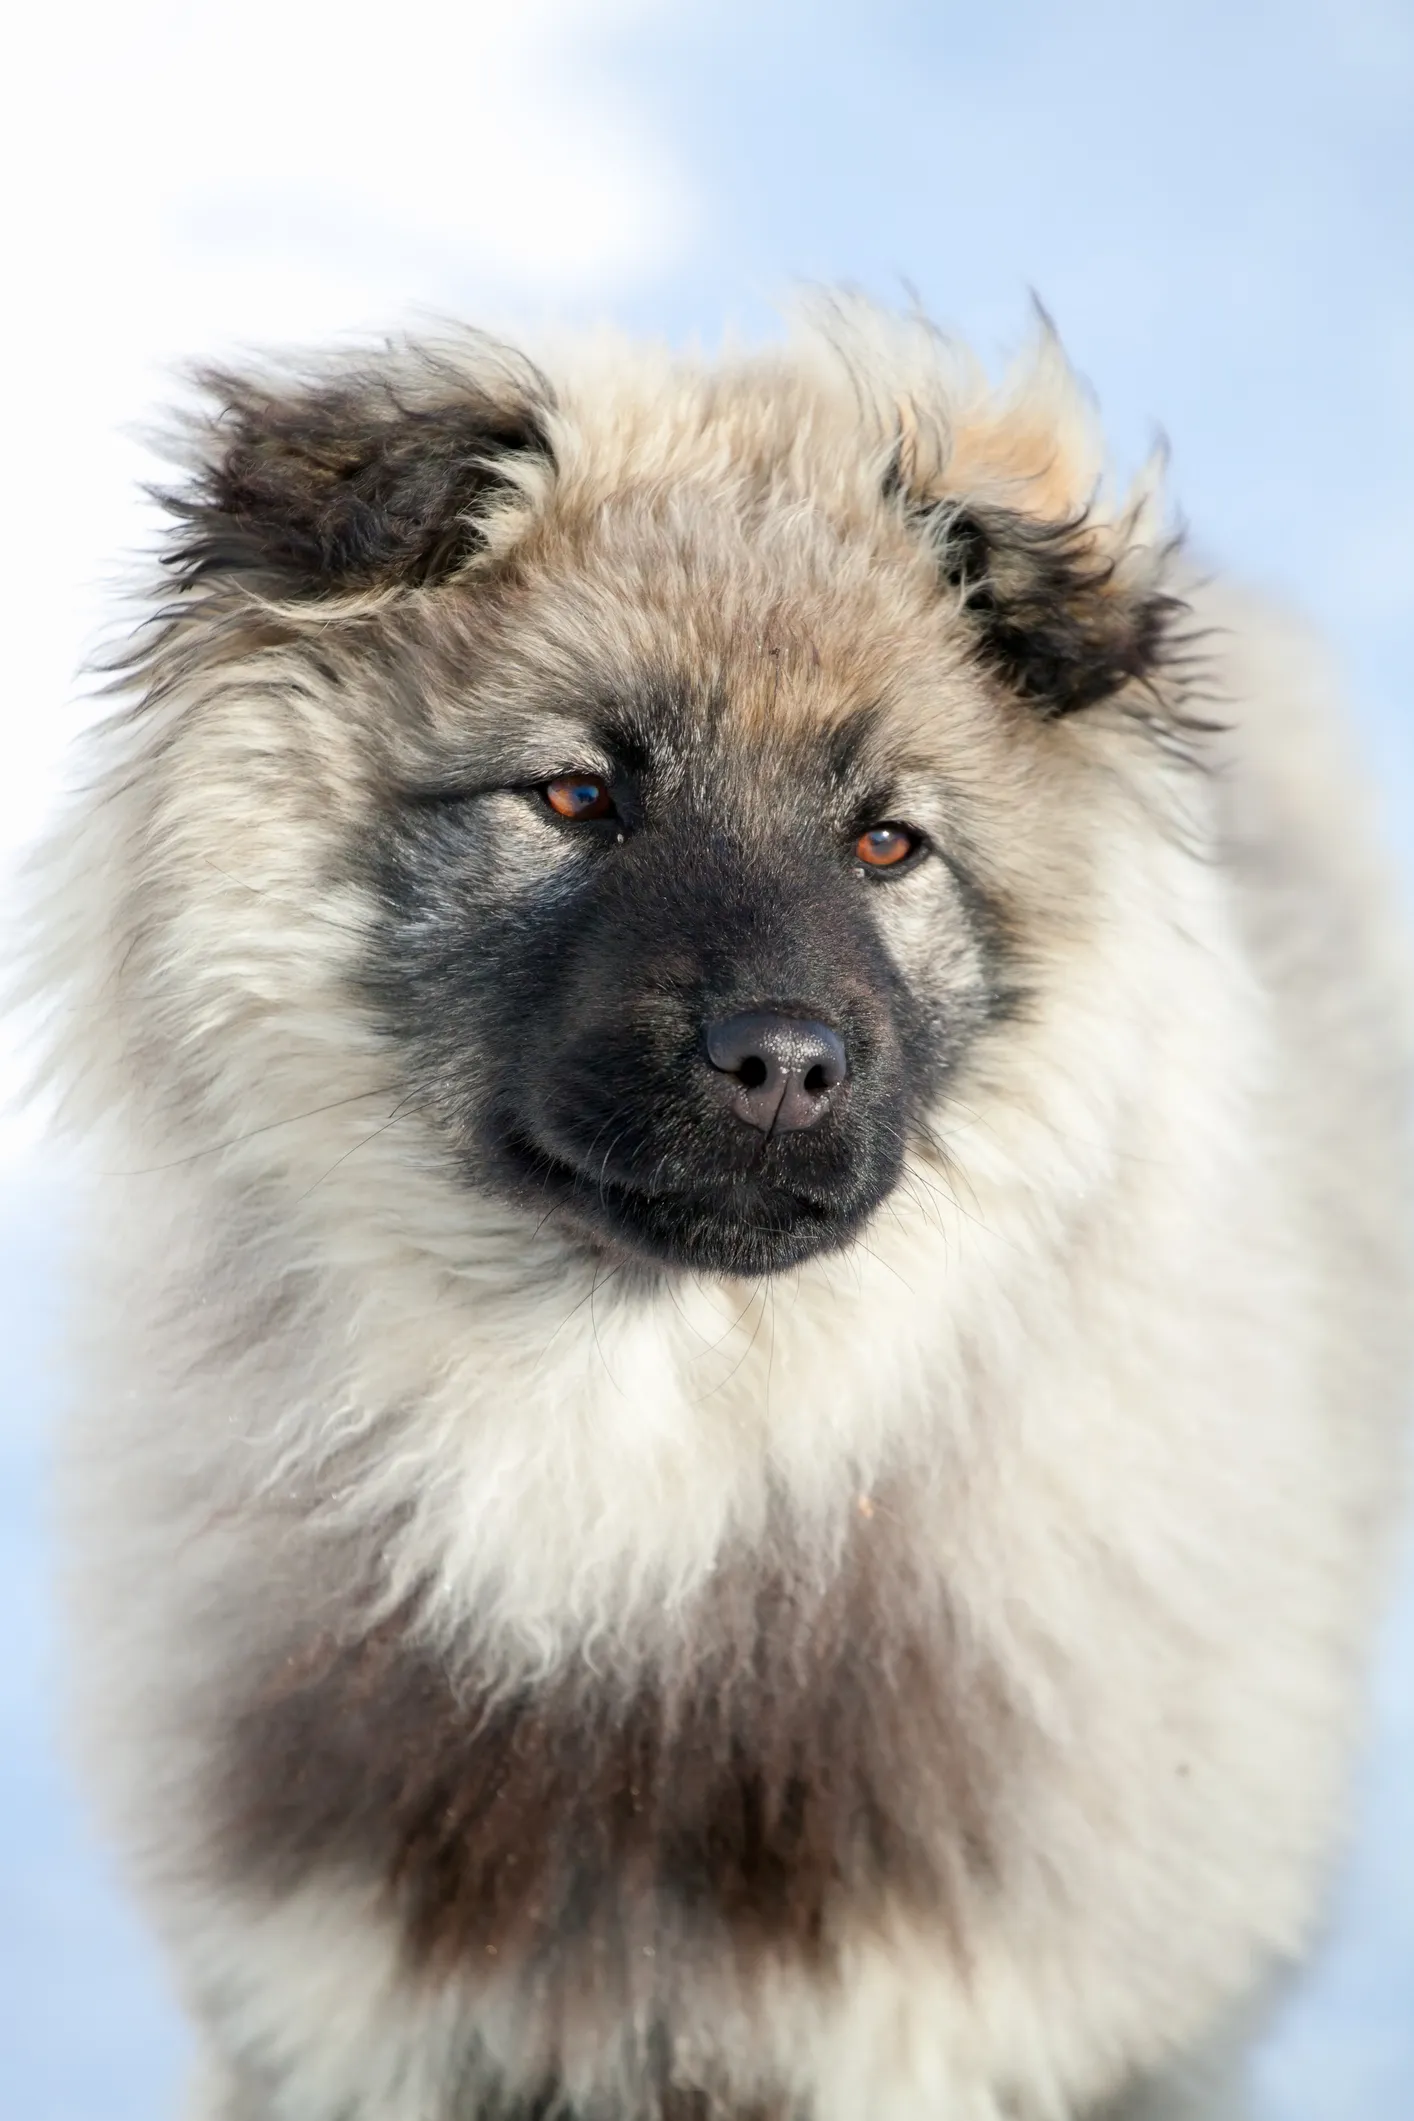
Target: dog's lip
[
  {"x": 589, "y": 1191},
  {"x": 734, "y": 1228}
]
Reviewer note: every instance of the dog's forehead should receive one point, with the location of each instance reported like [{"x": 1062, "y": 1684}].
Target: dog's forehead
[
  {"x": 685, "y": 624},
  {"x": 754, "y": 428}
]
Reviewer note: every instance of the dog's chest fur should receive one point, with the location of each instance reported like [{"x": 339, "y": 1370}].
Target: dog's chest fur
[{"x": 809, "y": 1749}]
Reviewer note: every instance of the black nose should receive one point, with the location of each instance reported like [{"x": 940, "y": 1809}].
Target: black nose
[{"x": 784, "y": 1069}]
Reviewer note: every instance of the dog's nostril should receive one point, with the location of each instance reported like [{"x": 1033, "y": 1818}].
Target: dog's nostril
[{"x": 783, "y": 1069}]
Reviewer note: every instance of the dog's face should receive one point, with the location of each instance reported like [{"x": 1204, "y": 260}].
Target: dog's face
[
  {"x": 658, "y": 972},
  {"x": 707, "y": 750}
]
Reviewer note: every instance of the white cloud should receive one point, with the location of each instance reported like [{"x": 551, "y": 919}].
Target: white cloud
[
  {"x": 470, "y": 126},
  {"x": 484, "y": 128}
]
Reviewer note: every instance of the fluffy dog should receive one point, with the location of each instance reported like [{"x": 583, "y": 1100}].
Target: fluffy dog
[{"x": 743, "y": 1328}]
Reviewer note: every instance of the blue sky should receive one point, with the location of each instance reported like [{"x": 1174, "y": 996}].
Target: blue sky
[{"x": 1216, "y": 202}]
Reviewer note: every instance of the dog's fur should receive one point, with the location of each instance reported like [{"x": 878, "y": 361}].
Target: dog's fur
[{"x": 588, "y": 1611}]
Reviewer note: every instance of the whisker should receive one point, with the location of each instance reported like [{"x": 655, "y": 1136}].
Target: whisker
[
  {"x": 726, "y": 1334},
  {"x": 234, "y": 1141},
  {"x": 393, "y": 1117},
  {"x": 594, "y": 1322},
  {"x": 879, "y": 1260},
  {"x": 722, "y": 1383},
  {"x": 587, "y": 1298}
]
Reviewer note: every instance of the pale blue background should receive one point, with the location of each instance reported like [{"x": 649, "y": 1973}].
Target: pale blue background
[{"x": 1213, "y": 200}]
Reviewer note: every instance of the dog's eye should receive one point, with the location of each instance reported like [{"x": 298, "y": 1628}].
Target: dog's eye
[
  {"x": 886, "y": 846},
  {"x": 580, "y": 797}
]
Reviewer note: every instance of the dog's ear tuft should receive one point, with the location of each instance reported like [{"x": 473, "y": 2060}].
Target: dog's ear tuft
[
  {"x": 1066, "y": 611},
  {"x": 361, "y": 479},
  {"x": 1067, "y": 596}
]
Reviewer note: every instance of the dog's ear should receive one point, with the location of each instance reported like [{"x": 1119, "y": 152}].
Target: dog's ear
[
  {"x": 362, "y": 479},
  {"x": 1063, "y": 609},
  {"x": 1067, "y": 599}
]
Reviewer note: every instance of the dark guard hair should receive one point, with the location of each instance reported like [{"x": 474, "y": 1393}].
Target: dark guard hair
[
  {"x": 737, "y": 1805},
  {"x": 1053, "y": 616},
  {"x": 1053, "y": 613},
  {"x": 356, "y": 482},
  {"x": 369, "y": 478}
]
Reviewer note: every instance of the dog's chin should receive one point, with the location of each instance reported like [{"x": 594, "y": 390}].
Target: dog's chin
[{"x": 735, "y": 1227}]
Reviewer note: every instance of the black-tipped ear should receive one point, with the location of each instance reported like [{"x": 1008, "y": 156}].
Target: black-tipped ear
[
  {"x": 359, "y": 481},
  {"x": 1064, "y": 620}
]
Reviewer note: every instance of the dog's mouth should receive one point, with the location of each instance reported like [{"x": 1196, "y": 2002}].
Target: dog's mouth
[{"x": 737, "y": 1225}]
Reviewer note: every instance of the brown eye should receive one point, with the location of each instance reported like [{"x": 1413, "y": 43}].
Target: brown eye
[
  {"x": 885, "y": 846},
  {"x": 580, "y": 798}
]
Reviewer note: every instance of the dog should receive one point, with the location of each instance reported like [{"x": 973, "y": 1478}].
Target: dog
[{"x": 742, "y": 1319}]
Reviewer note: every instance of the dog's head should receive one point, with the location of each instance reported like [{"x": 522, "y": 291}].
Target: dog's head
[{"x": 675, "y": 768}]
